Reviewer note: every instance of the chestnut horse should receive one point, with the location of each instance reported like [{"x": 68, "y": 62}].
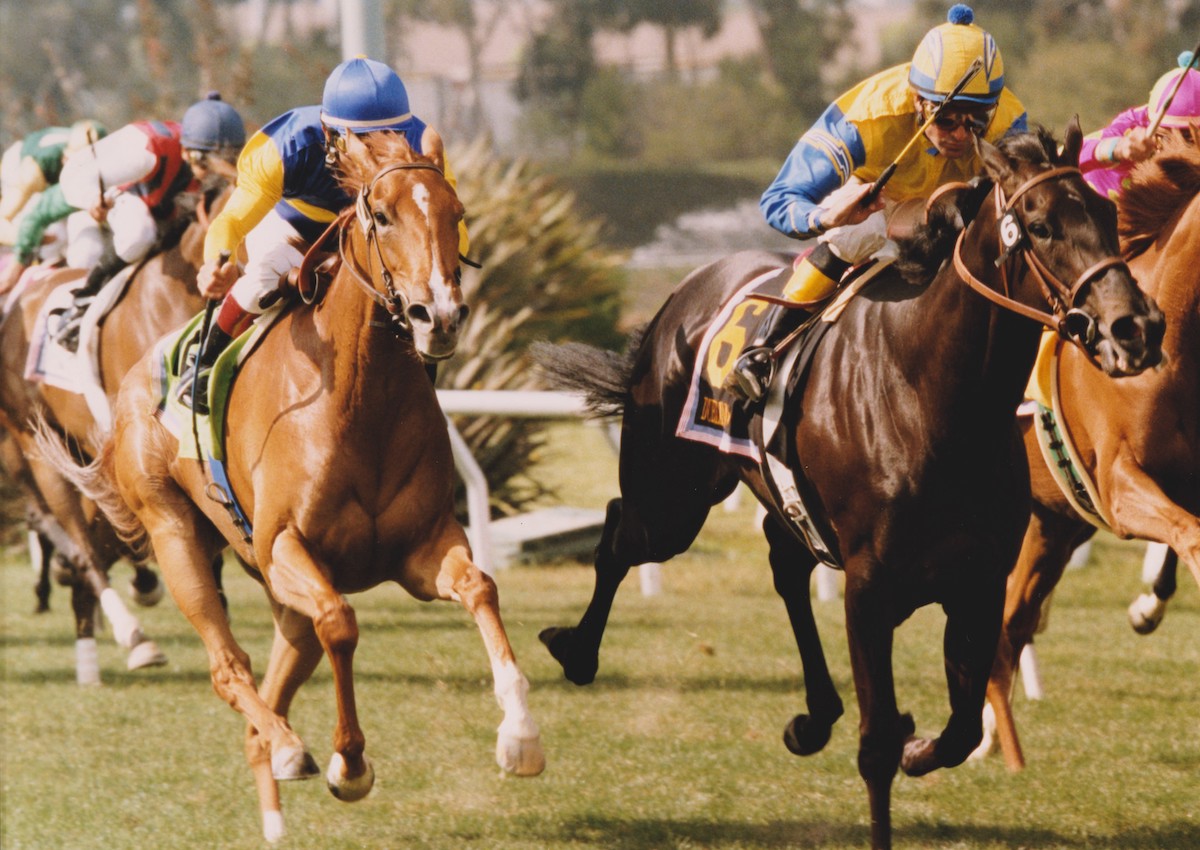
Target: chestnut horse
[
  {"x": 161, "y": 294},
  {"x": 339, "y": 455},
  {"x": 902, "y": 439},
  {"x": 1139, "y": 440}
]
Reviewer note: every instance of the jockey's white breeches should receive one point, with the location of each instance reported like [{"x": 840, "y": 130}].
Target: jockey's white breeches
[
  {"x": 133, "y": 232},
  {"x": 269, "y": 255},
  {"x": 856, "y": 243}
]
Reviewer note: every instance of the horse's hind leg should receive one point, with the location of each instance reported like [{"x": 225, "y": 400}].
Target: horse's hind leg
[
  {"x": 43, "y": 552},
  {"x": 83, "y": 605},
  {"x": 577, "y": 648},
  {"x": 973, "y": 618},
  {"x": 518, "y": 740},
  {"x": 1147, "y": 611},
  {"x": 792, "y": 565}
]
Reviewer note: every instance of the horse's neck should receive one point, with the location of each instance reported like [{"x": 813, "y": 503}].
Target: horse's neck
[
  {"x": 370, "y": 364},
  {"x": 987, "y": 349},
  {"x": 1168, "y": 273}
]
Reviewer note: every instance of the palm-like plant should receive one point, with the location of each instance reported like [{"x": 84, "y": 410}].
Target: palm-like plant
[{"x": 545, "y": 275}]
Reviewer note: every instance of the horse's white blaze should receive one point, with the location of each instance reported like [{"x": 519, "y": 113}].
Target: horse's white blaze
[{"x": 439, "y": 282}]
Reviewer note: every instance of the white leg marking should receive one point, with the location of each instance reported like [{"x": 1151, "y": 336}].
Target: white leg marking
[
  {"x": 87, "y": 665},
  {"x": 272, "y": 826},
  {"x": 124, "y": 625}
]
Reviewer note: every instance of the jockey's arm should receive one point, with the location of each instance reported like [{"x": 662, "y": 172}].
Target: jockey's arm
[
  {"x": 821, "y": 162},
  {"x": 50, "y": 207}
]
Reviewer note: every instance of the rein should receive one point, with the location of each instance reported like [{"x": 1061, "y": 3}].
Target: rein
[
  {"x": 1058, "y": 294},
  {"x": 394, "y": 302}
]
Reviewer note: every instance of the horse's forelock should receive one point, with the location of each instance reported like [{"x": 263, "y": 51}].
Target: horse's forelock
[
  {"x": 356, "y": 168},
  {"x": 1036, "y": 146}
]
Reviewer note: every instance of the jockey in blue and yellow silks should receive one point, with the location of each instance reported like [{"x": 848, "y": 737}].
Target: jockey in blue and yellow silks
[
  {"x": 287, "y": 193},
  {"x": 820, "y": 190}
]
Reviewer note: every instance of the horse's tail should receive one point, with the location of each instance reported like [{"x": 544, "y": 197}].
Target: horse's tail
[
  {"x": 94, "y": 482},
  {"x": 603, "y": 377}
]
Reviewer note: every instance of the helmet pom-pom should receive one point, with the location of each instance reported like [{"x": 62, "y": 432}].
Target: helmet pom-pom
[{"x": 960, "y": 13}]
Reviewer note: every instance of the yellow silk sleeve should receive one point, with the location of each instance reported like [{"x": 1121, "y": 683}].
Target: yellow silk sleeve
[
  {"x": 259, "y": 188},
  {"x": 464, "y": 239}
]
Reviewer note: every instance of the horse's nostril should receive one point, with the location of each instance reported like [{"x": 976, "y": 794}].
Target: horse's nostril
[
  {"x": 463, "y": 312},
  {"x": 418, "y": 314},
  {"x": 1126, "y": 328}
]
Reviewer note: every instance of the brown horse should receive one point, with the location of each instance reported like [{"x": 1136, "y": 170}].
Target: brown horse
[
  {"x": 902, "y": 441},
  {"x": 1139, "y": 440},
  {"x": 161, "y": 294},
  {"x": 339, "y": 455}
]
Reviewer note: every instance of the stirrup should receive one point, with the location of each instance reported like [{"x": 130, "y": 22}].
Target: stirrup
[
  {"x": 752, "y": 374},
  {"x": 183, "y": 394}
]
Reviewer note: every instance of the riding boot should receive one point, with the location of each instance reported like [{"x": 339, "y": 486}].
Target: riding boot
[
  {"x": 198, "y": 369},
  {"x": 755, "y": 366},
  {"x": 67, "y": 332}
]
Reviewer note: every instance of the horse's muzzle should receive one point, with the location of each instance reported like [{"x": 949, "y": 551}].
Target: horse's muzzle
[
  {"x": 435, "y": 332},
  {"x": 1132, "y": 343}
]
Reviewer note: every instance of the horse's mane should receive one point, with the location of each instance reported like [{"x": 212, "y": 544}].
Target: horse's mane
[
  {"x": 1158, "y": 188},
  {"x": 923, "y": 253},
  {"x": 383, "y": 147}
]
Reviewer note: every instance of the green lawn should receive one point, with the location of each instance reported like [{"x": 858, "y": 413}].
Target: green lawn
[{"x": 677, "y": 744}]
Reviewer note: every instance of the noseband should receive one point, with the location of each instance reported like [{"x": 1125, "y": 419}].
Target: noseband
[
  {"x": 396, "y": 303},
  {"x": 1014, "y": 248}
]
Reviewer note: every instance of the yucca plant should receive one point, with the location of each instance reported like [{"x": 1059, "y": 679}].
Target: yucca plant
[{"x": 545, "y": 275}]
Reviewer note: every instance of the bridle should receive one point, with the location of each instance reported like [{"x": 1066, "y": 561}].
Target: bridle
[
  {"x": 396, "y": 303},
  {"x": 1067, "y": 320}
]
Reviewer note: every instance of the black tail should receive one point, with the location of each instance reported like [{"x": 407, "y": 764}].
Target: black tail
[{"x": 602, "y": 377}]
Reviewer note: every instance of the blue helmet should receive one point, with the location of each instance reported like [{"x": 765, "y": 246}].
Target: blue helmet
[
  {"x": 363, "y": 95},
  {"x": 212, "y": 124}
]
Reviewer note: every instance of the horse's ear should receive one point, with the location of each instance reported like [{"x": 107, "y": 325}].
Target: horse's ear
[
  {"x": 995, "y": 162},
  {"x": 431, "y": 145},
  {"x": 356, "y": 148},
  {"x": 1073, "y": 143}
]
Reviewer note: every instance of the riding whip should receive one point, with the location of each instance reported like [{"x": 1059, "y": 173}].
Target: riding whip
[
  {"x": 1153, "y": 128},
  {"x": 209, "y": 306},
  {"x": 877, "y": 187}
]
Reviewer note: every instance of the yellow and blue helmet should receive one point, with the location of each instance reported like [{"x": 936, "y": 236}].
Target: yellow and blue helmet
[
  {"x": 945, "y": 54},
  {"x": 1184, "y": 108}
]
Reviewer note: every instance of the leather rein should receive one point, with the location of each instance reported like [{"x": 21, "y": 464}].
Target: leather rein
[{"x": 1015, "y": 247}]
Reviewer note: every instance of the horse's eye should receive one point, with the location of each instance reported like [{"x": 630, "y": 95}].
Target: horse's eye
[
  {"x": 1038, "y": 229},
  {"x": 381, "y": 219}
]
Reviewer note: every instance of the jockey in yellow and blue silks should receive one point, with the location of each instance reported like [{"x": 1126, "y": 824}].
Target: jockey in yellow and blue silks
[
  {"x": 287, "y": 194},
  {"x": 821, "y": 189}
]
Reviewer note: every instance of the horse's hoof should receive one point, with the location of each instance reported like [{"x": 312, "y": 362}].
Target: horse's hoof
[
  {"x": 146, "y": 598},
  {"x": 273, "y": 826},
  {"x": 806, "y": 735},
  {"x": 291, "y": 763},
  {"x": 1145, "y": 613},
  {"x": 344, "y": 788},
  {"x": 520, "y": 756},
  {"x": 145, "y": 654},
  {"x": 919, "y": 756},
  {"x": 560, "y": 642}
]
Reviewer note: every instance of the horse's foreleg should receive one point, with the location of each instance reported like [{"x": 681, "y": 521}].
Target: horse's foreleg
[
  {"x": 973, "y": 620},
  {"x": 792, "y": 566},
  {"x": 518, "y": 742},
  {"x": 577, "y": 649},
  {"x": 1048, "y": 543},
  {"x": 1140, "y": 508},
  {"x": 1159, "y": 569},
  {"x": 295, "y": 654},
  {"x": 882, "y": 730},
  {"x": 297, "y": 581},
  {"x": 147, "y": 590}
]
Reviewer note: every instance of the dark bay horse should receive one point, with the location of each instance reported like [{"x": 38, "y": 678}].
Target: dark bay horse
[
  {"x": 161, "y": 294},
  {"x": 339, "y": 455},
  {"x": 1138, "y": 439},
  {"x": 905, "y": 434}
]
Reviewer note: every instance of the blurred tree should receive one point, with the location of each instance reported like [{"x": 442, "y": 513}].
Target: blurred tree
[
  {"x": 671, "y": 15},
  {"x": 556, "y": 68},
  {"x": 801, "y": 39}
]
